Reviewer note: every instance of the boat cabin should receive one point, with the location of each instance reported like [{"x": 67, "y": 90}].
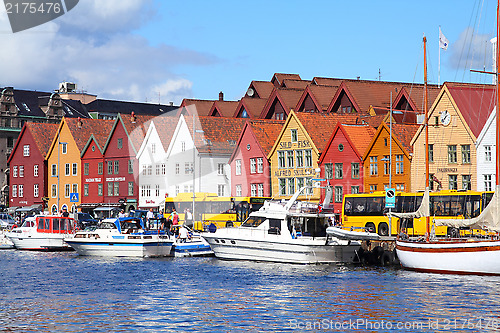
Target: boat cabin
[
  {"x": 55, "y": 224},
  {"x": 312, "y": 225}
]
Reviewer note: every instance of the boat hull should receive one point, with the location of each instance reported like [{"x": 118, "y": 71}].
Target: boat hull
[
  {"x": 294, "y": 251},
  {"x": 39, "y": 242},
  {"x": 459, "y": 257},
  {"x": 194, "y": 248},
  {"x": 117, "y": 248}
]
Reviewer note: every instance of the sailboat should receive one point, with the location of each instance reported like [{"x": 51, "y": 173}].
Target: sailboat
[{"x": 462, "y": 255}]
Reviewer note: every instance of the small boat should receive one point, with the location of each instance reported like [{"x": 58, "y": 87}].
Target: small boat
[
  {"x": 342, "y": 233},
  {"x": 288, "y": 232},
  {"x": 121, "y": 237},
  {"x": 43, "y": 233},
  {"x": 5, "y": 242},
  {"x": 193, "y": 246}
]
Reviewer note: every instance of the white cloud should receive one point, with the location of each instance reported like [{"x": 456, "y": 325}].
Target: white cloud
[
  {"x": 471, "y": 51},
  {"x": 92, "y": 46}
]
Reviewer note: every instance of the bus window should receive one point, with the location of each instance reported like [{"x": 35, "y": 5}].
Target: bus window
[
  {"x": 168, "y": 207},
  {"x": 408, "y": 203},
  {"x": 375, "y": 206}
]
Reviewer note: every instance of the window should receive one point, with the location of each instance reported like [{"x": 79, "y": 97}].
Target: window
[
  {"x": 431, "y": 153},
  {"x": 177, "y": 168},
  {"x": 466, "y": 183},
  {"x": 465, "y": 154},
  {"x": 373, "y": 166},
  {"x": 130, "y": 166},
  {"x": 293, "y": 135},
  {"x": 14, "y": 191},
  {"x": 54, "y": 190},
  {"x": 36, "y": 191},
  {"x": 373, "y": 188},
  {"x": 453, "y": 183},
  {"x": 282, "y": 186},
  {"x": 238, "y": 167},
  {"x": 400, "y": 187},
  {"x": 220, "y": 169},
  {"x": 452, "y": 154},
  {"x": 157, "y": 169},
  {"x": 64, "y": 148},
  {"x": 74, "y": 169},
  {"x": 54, "y": 170},
  {"x": 21, "y": 171},
  {"x": 86, "y": 190},
  {"x": 329, "y": 170},
  {"x": 177, "y": 190},
  {"x": 86, "y": 168},
  {"x": 308, "y": 156},
  {"x": 220, "y": 190},
  {"x": 253, "y": 165},
  {"x": 143, "y": 190},
  {"x": 150, "y": 169},
  {"x": 281, "y": 159},
  {"x": 300, "y": 183},
  {"x": 260, "y": 190},
  {"x": 117, "y": 167},
  {"x": 14, "y": 171},
  {"x": 67, "y": 169},
  {"x": 183, "y": 146},
  {"x": 26, "y": 150},
  {"x": 110, "y": 189},
  {"x": 21, "y": 191},
  {"x": 487, "y": 183},
  {"x": 35, "y": 170},
  {"x": 299, "y": 154},
  {"x": 487, "y": 153},
  {"x": 163, "y": 169},
  {"x": 188, "y": 168},
  {"x": 354, "y": 189},
  {"x": 385, "y": 142},
  {"x": 99, "y": 189},
  {"x": 338, "y": 194},
  {"x": 100, "y": 168},
  {"x": 157, "y": 190},
  {"x": 130, "y": 188},
  {"x": 291, "y": 185},
  {"x": 153, "y": 148},
  {"x": 260, "y": 165},
  {"x": 67, "y": 189},
  {"x": 309, "y": 190},
  {"x": 355, "y": 170},
  {"x": 399, "y": 164},
  {"x": 339, "y": 170},
  {"x": 253, "y": 190},
  {"x": 119, "y": 143},
  {"x": 75, "y": 188},
  {"x": 238, "y": 190},
  {"x": 116, "y": 188},
  {"x": 386, "y": 160},
  {"x": 110, "y": 167}
]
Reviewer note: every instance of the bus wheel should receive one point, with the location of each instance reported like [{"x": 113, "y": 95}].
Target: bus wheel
[
  {"x": 452, "y": 232},
  {"x": 229, "y": 224},
  {"x": 370, "y": 227},
  {"x": 383, "y": 229}
]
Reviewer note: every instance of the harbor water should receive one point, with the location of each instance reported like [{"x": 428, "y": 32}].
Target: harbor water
[{"x": 64, "y": 292}]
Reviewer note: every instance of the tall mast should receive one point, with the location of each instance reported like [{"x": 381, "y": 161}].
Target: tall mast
[
  {"x": 497, "y": 150},
  {"x": 426, "y": 124}
]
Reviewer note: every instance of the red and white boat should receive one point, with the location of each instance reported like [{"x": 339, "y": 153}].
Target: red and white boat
[
  {"x": 44, "y": 233},
  {"x": 457, "y": 255}
]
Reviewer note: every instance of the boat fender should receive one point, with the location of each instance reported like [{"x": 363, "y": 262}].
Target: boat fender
[
  {"x": 385, "y": 259},
  {"x": 212, "y": 228}
]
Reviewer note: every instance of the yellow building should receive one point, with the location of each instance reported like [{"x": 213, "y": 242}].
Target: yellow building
[
  {"x": 64, "y": 163},
  {"x": 295, "y": 154},
  {"x": 456, "y": 119}
]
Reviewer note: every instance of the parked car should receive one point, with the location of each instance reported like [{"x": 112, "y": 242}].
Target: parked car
[{"x": 6, "y": 221}]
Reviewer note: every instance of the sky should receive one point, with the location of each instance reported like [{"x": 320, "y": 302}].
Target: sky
[{"x": 160, "y": 51}]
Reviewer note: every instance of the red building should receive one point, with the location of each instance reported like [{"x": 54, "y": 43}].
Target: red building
[
  {"x": 121, "y": 167},
  {"x": 250, "y": 172},
  {"x": 28, "y": 167},
  {"x": 92, "y": 194},
  {"x": 341, "y": 163}
]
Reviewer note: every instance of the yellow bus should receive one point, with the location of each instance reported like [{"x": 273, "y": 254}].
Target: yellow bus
[
  {"x": 368, "y": 210},
  {"x": 210, "y": 208}
]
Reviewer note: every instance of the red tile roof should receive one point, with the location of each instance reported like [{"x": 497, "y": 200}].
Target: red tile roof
[
  {"x": 262, "y": 89},
  {"x": 288, "y": 99},
  {"x": 295, "y": 84},
  {"x": 278, "y": 78},
  {"x": 326, "y": 81},
  {"x": 404, "y": 133},
  {"x": 223, "y": 108},
  {"x": 82, "y": 129},
  {"x": 136, "y": 129},
  {"x": 203, "y": 106},
  {"x": 321, "y": 95},
  {"x": 165, "y": 126},
  {"x": 43, "y": 134},
  {"x": 360, "y": 136},
  {"x": 252, "y": 105},
  {"x": 266, "y": 132}
]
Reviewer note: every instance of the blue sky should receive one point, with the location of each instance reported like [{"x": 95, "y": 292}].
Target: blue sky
[{"x": 153, "y": 50}]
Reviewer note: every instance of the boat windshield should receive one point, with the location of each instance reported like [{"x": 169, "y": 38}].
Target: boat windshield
[
  {"x": 107, "y": 225},
  {"x": 28, "y": 223},
  {"x": 253, "y": 221}
]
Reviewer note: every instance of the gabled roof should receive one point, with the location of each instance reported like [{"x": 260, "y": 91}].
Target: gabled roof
[
  {"x": 288, "y": 99},
  {"x": 135, "y": 129},
  {"x": 414, "y": 95},
  {"x": 82, "y": 129},
  {"x": 42, "y": 133},
  {"x": 278, "y": 78},
  {"x": 223, "y": 108},
  {"x": 253, "y": 107},
  {"x": 320, "y": 95},
  {"x": 115, "y": 107},
  {"x": 295, "y": 84},
  {"x": 203, "y": 106},
  {"x": 359, "y": 137},
  {"x": 219, "y": 134},
  {"x": 165, "y": 126},
  {"x": 99, "y": 136},
  {"x": 326, "y": 81},
  {"x": 261, "y": 89},
  {"x": 373, "y": 121},
  {"x": 401, "y": 134}
]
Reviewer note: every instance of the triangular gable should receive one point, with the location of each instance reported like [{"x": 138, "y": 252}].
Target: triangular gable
[
  {"x": 338, "y": 128},
  {"x": 223, "y": 108},
  {"x": 251, "y": 106},
  {"x": 491, "y": 122},
  {"x": 286, "y": 98},
  {"x": 259, "y": 89},
  {"x": 89, "y": 143},
  {"x": 337, "y": 99},
  {"x": 151, "y": 130},
  {"x": 380, "y": 129},
  {"x": 402, "y": 101},
  {"x": 203, "y": 106}
]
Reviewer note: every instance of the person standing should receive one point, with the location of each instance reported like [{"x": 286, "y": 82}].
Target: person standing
[
  {"x": 174, "y": 217},
  {"x": 188, "y": 216}
]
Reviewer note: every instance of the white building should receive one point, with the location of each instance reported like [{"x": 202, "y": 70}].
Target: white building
[{"x": 486, "y": 156}]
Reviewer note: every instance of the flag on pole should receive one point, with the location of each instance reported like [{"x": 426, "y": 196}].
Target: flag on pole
[{"x": 443, "y": 41}]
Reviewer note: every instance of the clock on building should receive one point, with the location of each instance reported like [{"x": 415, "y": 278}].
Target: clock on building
[{"x": 445, "y": 117}]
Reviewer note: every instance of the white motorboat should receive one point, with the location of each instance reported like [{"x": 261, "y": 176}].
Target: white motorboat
[
  {"x": 5, "y": 242},
  {"x": 121, "y": 237},
  {"x": 192, "y": 246},
  {"x": 289, "y": 232},
  {"x": 43, "y": 233},
  {"x": 342, "y": 233}
]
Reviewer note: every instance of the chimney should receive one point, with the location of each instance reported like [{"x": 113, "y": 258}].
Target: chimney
[
  {"x": 221, "y": 96},
  {"x": 171, "y": 104},
  {"x": 79, "y": 123},
  {"x": 133, "y": 117}
]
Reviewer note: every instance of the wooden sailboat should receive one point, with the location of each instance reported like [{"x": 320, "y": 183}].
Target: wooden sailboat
[{"x": 463, "y": 255}]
